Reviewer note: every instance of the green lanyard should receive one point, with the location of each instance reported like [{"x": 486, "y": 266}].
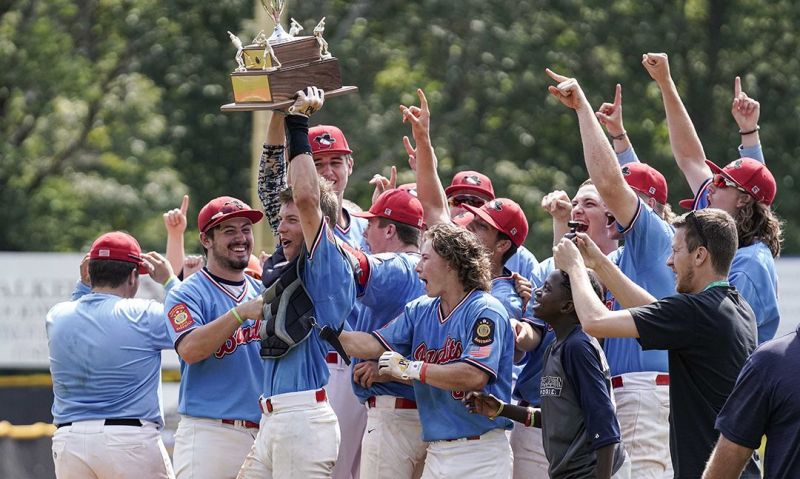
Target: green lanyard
[{"x": 717, "y": 283}]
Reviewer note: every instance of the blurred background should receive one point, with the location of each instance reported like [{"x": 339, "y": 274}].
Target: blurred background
[{"x": 109, "y": 113}]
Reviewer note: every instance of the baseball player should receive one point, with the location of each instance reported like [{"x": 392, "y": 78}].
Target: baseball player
[
  {"x": 636, "y": 196},
  {"x": 211, "y": 320},
  {"x": 105, "y": 361},
  {"x": 392, "y": 445},
  {"x": 745, "y": 188},
  {"x": 333, "y": 160},
  {"x": 460, "y": 339},
  {"x": 471, "y": 189},
  {"x": 299, "y": 435}
]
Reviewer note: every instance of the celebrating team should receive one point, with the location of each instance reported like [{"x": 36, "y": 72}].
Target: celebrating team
[{"x": 623, "y": 363}]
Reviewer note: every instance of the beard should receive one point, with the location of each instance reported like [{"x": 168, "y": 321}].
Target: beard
[
  {"x": 684, "y": 283},
  {"x": 237, "y": 264}
]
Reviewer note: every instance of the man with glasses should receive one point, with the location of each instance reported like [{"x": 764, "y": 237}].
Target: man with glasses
[
  {"x": 474, "y": 189},
  {"x": 708, "y": 328}
]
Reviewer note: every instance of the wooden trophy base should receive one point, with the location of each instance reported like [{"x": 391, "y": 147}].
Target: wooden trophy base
[{"x": 278, "y": 105}]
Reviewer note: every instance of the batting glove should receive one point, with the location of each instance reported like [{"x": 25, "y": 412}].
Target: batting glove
[
  {"x": 307, "y": 102},
  {"x": 396, "y": 365}
]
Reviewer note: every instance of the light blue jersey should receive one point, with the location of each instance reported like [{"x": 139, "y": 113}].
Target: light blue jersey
[
  {"x": 354, "y": 233},
  {"x": 643, "y": 259},
  {"x": 392, "y": 282},
  {"x": 753, "y": 274},
  {"x": 328, "y": 278},
  {"x": 105, "y": 357},
  {"x": 476, "y": 332},
  {"x": 522, "y": 262},
  {"x": 226, "y": 384},
  {"x": 504, "y": 290}
]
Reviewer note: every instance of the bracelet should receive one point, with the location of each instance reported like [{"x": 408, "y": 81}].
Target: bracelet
[
  {"x": 499, "y": 410},
  {"x": 620, "y": 136},
  {"x": 422, "y": 372},
  {"x": 236, "y": 315},
  {"x": 749, "y": 132},
  {"x": 169, "y": 280}
]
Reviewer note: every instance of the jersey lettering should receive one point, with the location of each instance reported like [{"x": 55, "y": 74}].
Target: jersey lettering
[
  {"x": 452, "y": 350},
  {"x": 551, "y": 386},
  {"x": 242, "y": 335}
]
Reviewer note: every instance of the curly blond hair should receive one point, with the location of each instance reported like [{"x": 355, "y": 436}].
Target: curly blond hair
[{"x": 463, "y": 252}]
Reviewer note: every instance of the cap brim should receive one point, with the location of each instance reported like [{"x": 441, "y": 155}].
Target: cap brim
[
  {"x": 480, "y": 212},
  {"x": 253, "y": 215},
  {"x": 688, "y": 203},
  {"x": 363, "y": 214},
  {"x": 450, "y": 190}
]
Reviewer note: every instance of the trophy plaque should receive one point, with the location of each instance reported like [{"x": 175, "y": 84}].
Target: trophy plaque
[{"x": 272, "y": 69}]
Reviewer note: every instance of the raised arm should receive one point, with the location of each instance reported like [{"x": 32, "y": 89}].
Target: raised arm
[
  {"x": 558, "y": 204},
  {"x": 175, "y": 223},
  {"x": 429, "y": 187},
  {"x": 272, "y": 170},
  {"x": 601, "y": 162},
  {"x": 627, "y": 293},
  {"x": 686, "y": 146},
  {"x": 303, "y": 174},
  {"x": 595, "y": 318},
  {"x": 746, "y": 111}
]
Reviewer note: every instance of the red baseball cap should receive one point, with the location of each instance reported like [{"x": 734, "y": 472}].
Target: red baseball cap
[
  {"x": 504, "y": 215},
  {"x": 119, "y": 246},
  {"x": 471, "y": 181},
  {"x": 224, "y": 208},
  {"x": 396, "y": 205},
  {"x": 646, "y": 180},
  {"x": 328, "y": 139},
  {"x": 752, "y": 176}
]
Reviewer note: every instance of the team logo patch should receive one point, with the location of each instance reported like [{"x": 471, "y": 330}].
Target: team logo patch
[
  {"x": 180, "y": 318},
  {"x": 626, "y": 171},
  {"x": 325, "y": 141},
  {"x": 551, "y": 386},
  {"x": 483, "y": 334},
  {"x": 472, "y": 180},
  {"x": 496, "y": 204},
  {"x": 735, "y": 164}
]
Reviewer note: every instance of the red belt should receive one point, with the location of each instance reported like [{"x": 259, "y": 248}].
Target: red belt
[
  {"x": 239, "y": 422},
  {"x": 661, "y": 380},
  {"x": 332, "y": 358},
  {"x": 319, "y": 395},
  {"x": 399, "y": 403},
  {"x": 468, "y": 438}
]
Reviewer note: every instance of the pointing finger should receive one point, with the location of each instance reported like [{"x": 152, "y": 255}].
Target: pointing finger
[
  {"x": 618, "y": 96},
  {"x": 737, "y": 87},
  {"x": 555, "y": 76},
  {"x": 185, "y": 204},
  {"x": 423, "y": 101}
]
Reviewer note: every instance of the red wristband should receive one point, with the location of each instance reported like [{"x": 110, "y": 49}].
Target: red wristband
[{"x": 422, "y": 371}]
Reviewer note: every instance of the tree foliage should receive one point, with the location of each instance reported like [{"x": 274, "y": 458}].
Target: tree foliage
[{"x": 110, "y": 110}]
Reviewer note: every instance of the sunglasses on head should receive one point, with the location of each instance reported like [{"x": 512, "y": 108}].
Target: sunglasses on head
[
  {"x": 471, "y": 200},
  {"x": 723, "y": 182},
  {"x": 698, "y": 228}
]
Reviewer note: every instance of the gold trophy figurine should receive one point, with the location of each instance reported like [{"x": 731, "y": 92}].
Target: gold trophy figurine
[{"x": 262, "y": 82}]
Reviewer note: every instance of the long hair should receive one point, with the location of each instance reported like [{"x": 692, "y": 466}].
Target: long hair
[
  {"x": 756, "y": 221},
  {"x": 462, "y": 250}
]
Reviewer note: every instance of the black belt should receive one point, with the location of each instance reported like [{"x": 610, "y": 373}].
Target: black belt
[{"x": 113, "y": 422}]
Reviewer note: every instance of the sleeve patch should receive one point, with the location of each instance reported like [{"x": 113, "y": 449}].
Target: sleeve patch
[
  {"x": 483, "y": 334},
  {"x": 180, "y": 318}
]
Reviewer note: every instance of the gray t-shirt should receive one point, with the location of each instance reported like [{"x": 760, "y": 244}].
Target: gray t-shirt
[{"x": 578, "y": 413}]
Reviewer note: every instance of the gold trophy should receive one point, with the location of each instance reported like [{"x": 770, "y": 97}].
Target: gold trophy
[{"x": 271, "y": 70}]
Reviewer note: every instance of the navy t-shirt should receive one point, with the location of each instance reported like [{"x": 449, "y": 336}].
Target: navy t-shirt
[{"x": 766, "y": 400}]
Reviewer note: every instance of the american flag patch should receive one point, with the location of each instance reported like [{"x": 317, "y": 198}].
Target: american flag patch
[{"x": 480, "y": 352}]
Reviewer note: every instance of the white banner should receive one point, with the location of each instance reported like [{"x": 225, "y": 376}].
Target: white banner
[{"x": 32, "y": 283}]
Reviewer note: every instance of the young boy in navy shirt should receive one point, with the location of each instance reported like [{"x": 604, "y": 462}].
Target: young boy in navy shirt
[{"x": 579, "y": 425}]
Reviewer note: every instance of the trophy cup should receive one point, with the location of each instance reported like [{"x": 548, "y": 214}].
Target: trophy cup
[{"x": 272, "y": 69}]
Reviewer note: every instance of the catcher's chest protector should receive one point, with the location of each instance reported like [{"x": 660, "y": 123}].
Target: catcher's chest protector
[{"x": 288, "y": 311}]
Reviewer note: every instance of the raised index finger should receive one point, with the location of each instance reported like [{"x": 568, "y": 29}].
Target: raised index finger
[
  {"x": 555, "y": 76},
  {"x": 737, "y": 87},
  {"x": 618, "y": 95},
  {"x": 185, "y": 204},
  {"x": 423, "y": 102}
]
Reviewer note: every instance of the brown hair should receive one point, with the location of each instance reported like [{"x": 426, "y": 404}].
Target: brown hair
[
  {"x": 713, "y": 229},
  {"x": 328, "y": 202},
  {"x": 756, "y": 221},
  {"x": 463, "y": 252},
  {"x": 407, "y": 234}
]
